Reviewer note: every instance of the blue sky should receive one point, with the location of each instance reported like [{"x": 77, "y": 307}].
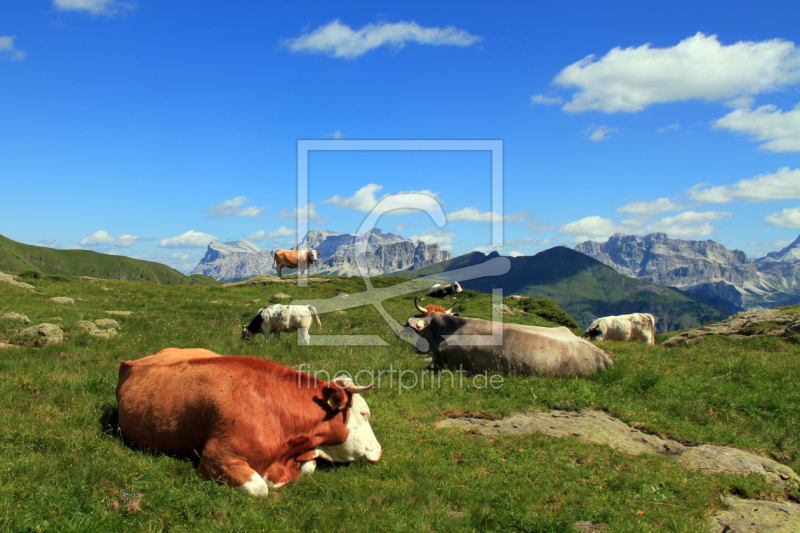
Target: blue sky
[{"x": 147, "y": 128}]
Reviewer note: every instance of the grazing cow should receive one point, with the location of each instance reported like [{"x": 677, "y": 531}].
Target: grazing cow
[
  {"x": 277, "y": 318},
  {"x": 633, "y": 327},
  {"x": 525, "y": 350},
  {"x": 294, "y": 259},
  {"x": 440, "y": 291},
  {"x": 432, "y": 308},
  {"x": 253, "y": 424}
]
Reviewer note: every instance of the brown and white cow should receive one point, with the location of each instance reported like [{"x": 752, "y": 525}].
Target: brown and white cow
[
  {"x": 633, "y": 327},
  {"x": 294, "y": 259},
  {"x": 254, "y": 424},
  {"x": 433, "y": 308}
]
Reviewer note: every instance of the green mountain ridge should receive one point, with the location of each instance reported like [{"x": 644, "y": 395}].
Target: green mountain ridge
[
  {"x": 16, "y": 257},
  {"x": 586, "y": 288}
]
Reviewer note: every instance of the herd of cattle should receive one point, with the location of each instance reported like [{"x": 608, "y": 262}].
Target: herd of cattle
[{"x": 255, "y": 424}]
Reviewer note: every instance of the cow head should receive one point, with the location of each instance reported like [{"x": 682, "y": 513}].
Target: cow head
[
  {"x": 429, "y": 309},
  {"x": 360, "y": 444},
  {"x": 254, "y": 327},
  {"x": 457, "y": 287},
  {"x": 594, "y": 333},
  {"x": 432, "y": 330},
  {"x": 312, "y": 257}
]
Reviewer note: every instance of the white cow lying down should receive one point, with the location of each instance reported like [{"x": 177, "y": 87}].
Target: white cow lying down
[
  {"x": 277, "y": 318},
  {"x": 633, "y": 327}
]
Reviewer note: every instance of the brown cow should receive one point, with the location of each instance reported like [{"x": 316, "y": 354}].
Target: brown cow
[
  {"x": 294, "y": 259},
  {"x": 253, "y": 423},
  {"x": 433, "y": 308}
]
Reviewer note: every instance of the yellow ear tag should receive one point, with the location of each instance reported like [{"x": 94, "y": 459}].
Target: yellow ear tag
[
  {"x": 331, "y": 402},
  {"x": 420, "y": 324}
]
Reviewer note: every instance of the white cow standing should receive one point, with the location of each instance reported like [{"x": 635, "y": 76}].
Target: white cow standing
[
  {"x": 633, "y": 327},
  {"x": 277, "y": 318}
]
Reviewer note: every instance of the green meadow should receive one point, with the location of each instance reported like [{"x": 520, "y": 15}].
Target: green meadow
[{"x": 62, "y": 468}]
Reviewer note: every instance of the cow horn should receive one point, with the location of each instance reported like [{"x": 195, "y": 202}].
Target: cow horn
[
  {"x": 347, "y": 384},
  {"x": 420, "y": 309},
  {"x": 450, "y": 311}
]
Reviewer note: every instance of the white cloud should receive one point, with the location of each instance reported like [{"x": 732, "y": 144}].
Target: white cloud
[
  {"x": 545, "y": 100},
  {"x": 515, "y": 254},
  {"x": 230, "y": 208},
  {"x": 675, "y": 126},
  {"x": 435, "y": 236},
  {"x": 295, "y": 213},
  {"x": 7, "y": 49},
  {"x": 539, "y": 226},
  {"x": 471, "y": 214},
  {"x": 688, "y": 224},
  {"x": 339, "y": 40},
  {"x": 600, "y": 133},
  {"x": 592, "y": 227},
  {"x": 530, "y": 241},
  {"x": 767, "y": 123},
  {"x": 190, "y": 239},
  {"x": 631, "y": 79},
  {"x": 364, "y": 200},
  {"x": 782, "y": 185},
  {"x": 400, "y": 227},
  {"x": 95, "y": 7},
  {"x": 277, "y": 234},
  {"x": 774, "y": 245},
  {"x": 788, "y": 218},
  {"x": 336, "y": 134},
  {"x": 103, "y": 238},
  {"x": 662, "y": 205},
  {"x": 50, "y": 243}
]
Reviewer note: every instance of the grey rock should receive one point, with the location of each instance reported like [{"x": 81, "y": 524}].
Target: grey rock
[
  {"x": 742, "y": 325},
  {"x": 789, "y": 254},
  {"x": 12, "y": 280},
  {"x": 86, "y": 326},
  {"x": 106, "y": 323},
  {"x": 119, "y": 313},
  {"x": 756, "y": 516},
  {"x": 16, "y": 316},
  {"x": 281, "y": 296},
  {"x": 4, "y": 345},
  {"x": 597, "y": 427},
  {"x": 63, "y": 300},
  {"x": 47, "y": 333}
]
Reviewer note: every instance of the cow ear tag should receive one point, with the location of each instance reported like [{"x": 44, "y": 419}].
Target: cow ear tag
[{"x": 331, "y": 403}]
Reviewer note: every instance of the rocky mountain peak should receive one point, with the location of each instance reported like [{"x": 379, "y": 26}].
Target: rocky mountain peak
[{"x": 789, "y": 254}]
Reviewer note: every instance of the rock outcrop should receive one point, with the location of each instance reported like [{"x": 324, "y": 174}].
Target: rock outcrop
[
  {"x": 386, "y": 252},
  {"x": 705, "y": 267},
  {"x": 46, "y": 334},
  {"x": 766, "y": 322}
]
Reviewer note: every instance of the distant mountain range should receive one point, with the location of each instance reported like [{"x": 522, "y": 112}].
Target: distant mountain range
[
  {"x": 726, "y": 276},
  {"x": 386, "y": 253},
  {"x": 16, "y": 257},
  {"x": 586, "y": 288}
]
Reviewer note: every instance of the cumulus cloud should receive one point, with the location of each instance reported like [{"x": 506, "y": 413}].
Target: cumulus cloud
[
  {"x": 530, "y": 241},
  {"x": 545, "y": 100},
  {"x": 471, "y": 214},
  {"x": 435, "y": 236},
  {"x": 591, "y": 228},
  {"x": 631, "y": 79},
  {"x": 689, "y": 224},
  {"x": 600, "y": 133},
  {"x": 675, "y": 126},
  {"x": 515, "y": 254},
  {"x": 190, "y": 239},
  {"x": 782, "y": 185},
  {"x": 788, "y": 218},
  {"x": 8, "y": 51},
  {"x": 662, "y": 205},
  {"x": 339, "y": 40},
  {"x": 231, "y": 208},
  {"x": 277, "y": 234},
  {"x": 103, "y": 238},
  {"x": 95, "y": 7},
  {"x": 767, "y": 123},
  {"x": 400, "y": 227},
  {"x": 295, "y": 213},
  {"x": 364, "y": 200},
  {"x": 50, "y": 243},
  {"x": 539, "y": 226}
]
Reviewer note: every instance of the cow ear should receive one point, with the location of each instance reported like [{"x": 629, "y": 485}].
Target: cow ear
[
  {"x": 418, "y": 323},
  {"x": 335, "y": 397}
]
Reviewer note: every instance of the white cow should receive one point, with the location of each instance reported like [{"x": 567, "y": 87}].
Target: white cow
[
  {"x": 277, "y": 318},
  {"x": 633, "y": 327}
]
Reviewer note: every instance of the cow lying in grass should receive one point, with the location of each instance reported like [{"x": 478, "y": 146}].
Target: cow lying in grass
[
  {"x": 277, "y": 318},
  {"x": 441, "y": 291},
  {"x": 254, "y": 424},
  {"x": 529, "y": 350},
  {"x": 633, "y": 327}
]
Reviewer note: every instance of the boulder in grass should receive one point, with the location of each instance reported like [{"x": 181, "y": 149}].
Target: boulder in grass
[
  {"x": 16, "y": 316},
  {"x": 47, "y": 333},
  {"x": 281, "y": 296},
  {"x": 63, "y": 300},
  {"x": 106, "y": 323},
  {"x": 86, "y": 326}
]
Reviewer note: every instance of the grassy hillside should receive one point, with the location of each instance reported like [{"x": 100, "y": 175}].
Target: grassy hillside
[
  {"x": 587, "y": 289},
  {"x": 61, "y": 471},
  {"x": 16, "y": 257}
]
